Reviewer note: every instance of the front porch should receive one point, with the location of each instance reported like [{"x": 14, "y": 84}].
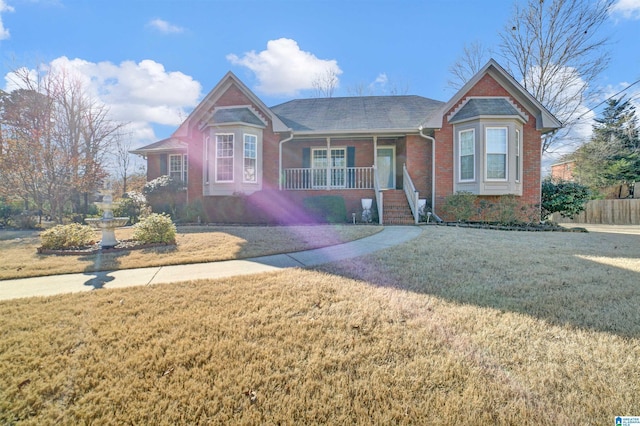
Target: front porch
[{"x": 365, "y": 165}]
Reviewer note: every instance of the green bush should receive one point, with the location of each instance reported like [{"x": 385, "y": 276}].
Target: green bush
[
  {"x": 193, "y": 213},
  {"x": 162, "y": 194},
  {"x": 461, "y": 205},
  {"x": 566, "y": 198},
  {"x": 7, "y": 212},
  {"x": 326, "y": 208},
  {"x": 67, "y": 236},
  {"x": 155, "y": 228},
  {"x": 504, "y": 211},
  {"x": 132, "y": 205}
]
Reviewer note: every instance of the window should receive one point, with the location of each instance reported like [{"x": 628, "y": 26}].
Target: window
[
  {"x": 178, "y": 168},
  {"x": 207, "y": 142},
  {"x": 224, "y": 158},
  {"x": 467, "y": 155},
  {"x": 319, "y": 167},
  {"x": 249, "y": 158},
  {"x": 337, "y": 163},
  {"x": 517, "y": 156},
  {"x": 496, "y": 143}
]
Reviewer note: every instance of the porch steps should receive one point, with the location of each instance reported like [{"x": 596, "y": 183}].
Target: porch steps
[{"x": 396, "y": 208}]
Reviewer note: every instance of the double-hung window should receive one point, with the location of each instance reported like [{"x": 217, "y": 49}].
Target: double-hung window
[
  {"x": 250, "y": 158},
  {"x": 224, "y": 158},
  {"x": 496, "y": 149},
  {"x": 178, "y": 168},
  {"x": 332, "y": 165},
  {"x": 467, "y": 151}
]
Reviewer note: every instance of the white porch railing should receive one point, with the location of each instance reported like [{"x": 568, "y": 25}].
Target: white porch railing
[
  {"x": 328, "y": 178},
  {"x": 411, "y": 193},
  {"x": 379, "y": 197}
]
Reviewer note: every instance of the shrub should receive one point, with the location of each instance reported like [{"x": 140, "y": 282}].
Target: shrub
[
  {"x": 505, "y": 210},
  {"x": 132, "y": 205},
  {"x": 67, "y": 236},
  {"x": 162, "y": 194},
  {"x": 193, "y": 213},
  {"x": 326, "y": 208},
  {"x": 461, "y": 205},
  {"x": 7, "y": 212},
  {"x": 155, "y": 228},
  {"x": 566, "y": 198}
]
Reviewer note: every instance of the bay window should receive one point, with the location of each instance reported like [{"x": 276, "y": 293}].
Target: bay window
[
  {"x": 496, "y": 153},
  {"x": 467, "y": 155},
  {"x": 224, "y": 158},
  {"x": 249, "y": 166}
]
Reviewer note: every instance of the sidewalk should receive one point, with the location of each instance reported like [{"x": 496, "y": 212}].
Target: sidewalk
[{"x": 72, "y": 283}]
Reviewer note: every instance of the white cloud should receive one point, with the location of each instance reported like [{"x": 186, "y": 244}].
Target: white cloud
[
  {"x": 141, "y": 93},
  {"x": 283, "y": 69},
  {"x": 165, "y": 27},
  {"x": 629, "y": 9},
  {"x": 4, "y": 32}
]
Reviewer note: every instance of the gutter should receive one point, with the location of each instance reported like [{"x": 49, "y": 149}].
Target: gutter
[
  {"x": 280, "y": 159},
  {"x": 433, "y": 168}
]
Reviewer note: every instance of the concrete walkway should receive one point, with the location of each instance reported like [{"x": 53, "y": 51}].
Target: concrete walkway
[{"x": 72, "y": 283}]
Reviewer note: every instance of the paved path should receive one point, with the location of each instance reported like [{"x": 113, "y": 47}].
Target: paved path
[{"x": 71, "y": 283}]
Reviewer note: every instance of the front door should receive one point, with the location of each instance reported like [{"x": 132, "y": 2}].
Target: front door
[{"x": 386, "y": 162}]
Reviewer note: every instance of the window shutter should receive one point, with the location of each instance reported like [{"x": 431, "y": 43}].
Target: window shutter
[
  {"x": 351, "y": 162},
  {"x": 163, "y": 164},
  {"x": 306, "y": 158},
  {"x": 306, "y": 164}
]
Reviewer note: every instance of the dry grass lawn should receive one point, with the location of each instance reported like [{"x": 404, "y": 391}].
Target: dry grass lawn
[
  {"x": 458, "y": 326},
  {"x": 194, "y": 244}
]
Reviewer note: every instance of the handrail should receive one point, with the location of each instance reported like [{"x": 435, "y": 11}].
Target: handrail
[
  {"x": 304, "y": 178},
  {"x": 412, "y": 195},
  {"x": 379, "y": 195}
]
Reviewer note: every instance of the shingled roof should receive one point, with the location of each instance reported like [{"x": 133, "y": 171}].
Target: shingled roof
[
  {"x": 488, "y": 107},
  {"x": 237, "y": 115},
  {"x": 356, "y": 113},
  {"x": 169, "y": 144}
]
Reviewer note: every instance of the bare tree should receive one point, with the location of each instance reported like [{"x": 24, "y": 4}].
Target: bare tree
[
  {"x": 554, "y": 48},
  {"x": 59, "y": 139},
  {"x": 122, "y": 158},
  {"x": 473, "y": 58},
  {"x": 325, "y": 83}
]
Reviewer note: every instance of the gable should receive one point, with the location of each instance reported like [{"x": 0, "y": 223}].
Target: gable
[
  {"x": 231, "y": 92},
  {"x": 493, "y": 81}
]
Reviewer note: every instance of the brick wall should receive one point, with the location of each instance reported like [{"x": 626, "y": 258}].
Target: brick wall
[{"x": 531, "y": 155}]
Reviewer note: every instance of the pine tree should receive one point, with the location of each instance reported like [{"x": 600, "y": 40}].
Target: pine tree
[{"x": 612, "y": 156}]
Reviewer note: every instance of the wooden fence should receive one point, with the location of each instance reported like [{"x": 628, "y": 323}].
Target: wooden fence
[{"x": 609, "y": 212}]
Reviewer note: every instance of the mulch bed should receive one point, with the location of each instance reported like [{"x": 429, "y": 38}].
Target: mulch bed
[
  {"x": 123, "y": 245},
  {"x": 520, "y": 227}
]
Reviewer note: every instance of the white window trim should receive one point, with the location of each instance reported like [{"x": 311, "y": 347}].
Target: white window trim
[
  {"x": 207, "y": 160},
  {"x": 473, "y": 132},
  {"x": 255, "y": 172},
  {"x": 506, "y": 154},
  {"x": 518, "y": 165},
  {"x": 232, "y": 158},
  {"x": 328, "y": 158},
  {"x": 183, "y": 167}
]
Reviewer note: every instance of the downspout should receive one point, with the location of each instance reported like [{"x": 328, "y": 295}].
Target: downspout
[
  {"x": 433, "y": 169},
  {"x": 280, "y": 159}
]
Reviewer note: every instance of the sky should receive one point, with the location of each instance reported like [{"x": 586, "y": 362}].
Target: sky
[{"x": 152, "y": 61}]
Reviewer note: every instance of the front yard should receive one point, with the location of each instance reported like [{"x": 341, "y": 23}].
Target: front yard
[
  {"x": 458, "y": 326},
  {"x": 194, "y": 244}
]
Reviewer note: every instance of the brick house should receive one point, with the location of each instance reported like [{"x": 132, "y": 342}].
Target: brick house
[{"x": 249, "y": 163}]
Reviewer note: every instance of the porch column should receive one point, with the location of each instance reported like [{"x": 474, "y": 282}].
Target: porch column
[
  {"x": 375, "y": 152},
  {"x": 328, "y": 163}
]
